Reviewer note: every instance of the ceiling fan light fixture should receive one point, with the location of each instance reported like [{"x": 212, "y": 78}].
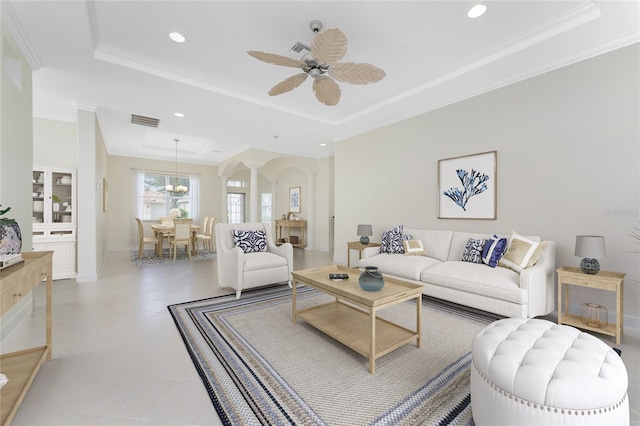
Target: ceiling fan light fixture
[{"x": 477, "y": 10}]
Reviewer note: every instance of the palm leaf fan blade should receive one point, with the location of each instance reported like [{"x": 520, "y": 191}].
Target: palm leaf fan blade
[
  {"x": 326, "y": 90},
  {"x": 329, "y": 46},
  {"x": 272, "y": 58},
  {"x": 356, "y": 73},
  {"x": 288, "y": 84}
]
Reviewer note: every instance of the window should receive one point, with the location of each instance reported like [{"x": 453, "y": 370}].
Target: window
[
  {"x": 235, "y": 208},
  {"x": 153, "y": 200},
  {"x": 266, "y": 206}
]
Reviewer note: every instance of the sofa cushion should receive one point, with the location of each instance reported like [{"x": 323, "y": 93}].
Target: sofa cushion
[
  {"x": 493, "y": 250},
  {"x": 498, "y": 283},
  {"x": 250, "y": 241},
  {"x": 413, "y": 248},
  {"x": 522, "y": 252},
  {"x": 263, "y": 260},
  {"x": 473, "y": 250},
  {"x": 436, "y": 243},
  {"x": 408, "y": 267}
]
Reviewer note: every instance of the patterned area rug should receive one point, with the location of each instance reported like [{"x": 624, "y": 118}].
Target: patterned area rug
[
  {"x": 149, "y": 257},
  {"x": 260, "y": 368}
]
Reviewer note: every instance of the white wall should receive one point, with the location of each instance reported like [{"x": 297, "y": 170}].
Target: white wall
[
  {"x": 55, "y": 143},
  {"x": 16, "y": 155},
  {"x": 568, "y": 147}
]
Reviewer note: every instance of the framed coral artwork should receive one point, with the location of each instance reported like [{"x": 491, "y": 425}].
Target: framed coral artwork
[{"x": 467, "y": 186}]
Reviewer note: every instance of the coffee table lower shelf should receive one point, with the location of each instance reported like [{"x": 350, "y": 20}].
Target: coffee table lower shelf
[{"x": 352, "y": 327}]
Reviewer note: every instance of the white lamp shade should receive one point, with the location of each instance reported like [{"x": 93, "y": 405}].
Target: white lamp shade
[
  {"x": 590, "y": 246},
  {"x": 365, "y": 230}
]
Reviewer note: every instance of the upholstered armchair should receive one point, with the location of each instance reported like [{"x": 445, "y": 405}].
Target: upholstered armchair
[{"x": 250, "y": 258}]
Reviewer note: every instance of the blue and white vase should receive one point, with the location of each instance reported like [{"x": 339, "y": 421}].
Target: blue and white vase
[{"x": 10, "y": 239}]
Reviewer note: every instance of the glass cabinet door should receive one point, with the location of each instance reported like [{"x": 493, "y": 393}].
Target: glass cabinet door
[{"x": 38, "y": 196}]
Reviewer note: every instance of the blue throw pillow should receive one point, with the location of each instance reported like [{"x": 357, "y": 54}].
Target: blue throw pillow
[
  {"x": 493, "y": 250},
  {"x": 251, "y": 241}
]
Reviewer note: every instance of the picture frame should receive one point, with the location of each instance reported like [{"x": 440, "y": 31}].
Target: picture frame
[
  {"x": 467, "y": 186},
  {"x": 294, "y": 199},
  {"x": 105, "y": 194}
]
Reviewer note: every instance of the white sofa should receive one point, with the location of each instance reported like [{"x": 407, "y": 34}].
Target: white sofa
[
  {"x": 442, "y": 273},
  {"x": 240, "y": 270}
]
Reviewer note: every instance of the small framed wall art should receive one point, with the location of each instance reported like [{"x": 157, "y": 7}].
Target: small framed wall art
[
  {"x": 467, "y": 186},
  {"x": 105, "y": 194},
  {"x": 294, "y": 199}
]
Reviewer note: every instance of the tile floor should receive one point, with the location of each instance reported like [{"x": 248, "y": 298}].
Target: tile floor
[{"x": 119, "y": 360}]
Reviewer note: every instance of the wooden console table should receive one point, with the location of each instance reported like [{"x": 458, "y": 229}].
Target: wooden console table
[
  {"x": 603, "y": 280},
  {"x": 288, "y": 225},
  {"x": 21, "y": 367}
]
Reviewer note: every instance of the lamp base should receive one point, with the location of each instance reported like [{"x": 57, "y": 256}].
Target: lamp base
[
  {"x": 590, "y": 266},
  {"x": 364, "y": 240}
]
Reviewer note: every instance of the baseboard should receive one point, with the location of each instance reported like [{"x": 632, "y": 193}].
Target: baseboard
[{"x": 84, "y": 278}]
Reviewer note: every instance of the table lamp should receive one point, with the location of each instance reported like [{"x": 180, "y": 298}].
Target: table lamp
[
  {"x": 365, "y": 231},
  {"x": 590, "y": 247}
]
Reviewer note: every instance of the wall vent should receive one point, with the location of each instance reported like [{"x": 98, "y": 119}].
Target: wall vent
[{"x": 144, "y": 121}]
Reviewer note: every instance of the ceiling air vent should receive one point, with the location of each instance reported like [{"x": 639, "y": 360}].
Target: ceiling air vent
[
  {"x": 144, "y": 121},
  {"x": 299, "y": 50}
]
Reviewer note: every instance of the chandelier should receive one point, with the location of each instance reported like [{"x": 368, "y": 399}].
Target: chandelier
[{"x": 177, "y": 187}]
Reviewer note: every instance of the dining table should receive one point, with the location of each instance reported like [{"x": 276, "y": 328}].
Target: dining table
[{"x": 161, "y": 230}]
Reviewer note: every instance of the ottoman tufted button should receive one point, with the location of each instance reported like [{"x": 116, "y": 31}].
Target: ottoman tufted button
[{"x": 556, "y": 372}]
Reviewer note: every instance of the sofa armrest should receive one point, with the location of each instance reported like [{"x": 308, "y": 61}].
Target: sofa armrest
[
  {"x": 539, "y": 281},
  {"x": 370, "y": 252}
]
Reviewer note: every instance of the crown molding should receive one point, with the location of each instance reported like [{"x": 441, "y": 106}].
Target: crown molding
[
  {"x": 84, "y": 106},
  {"x": 15, "y": 28}
]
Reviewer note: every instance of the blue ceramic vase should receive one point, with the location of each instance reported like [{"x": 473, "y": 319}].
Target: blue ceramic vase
[{"x": 371, "y": 279}]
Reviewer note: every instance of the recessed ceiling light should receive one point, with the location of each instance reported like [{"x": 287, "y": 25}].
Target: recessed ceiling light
[
  {"x": 178, "y": 114},
  {"x": 177, "y": 37},
  {"x": 477, "y": 10},
  {"x": 323, "y": 144}
]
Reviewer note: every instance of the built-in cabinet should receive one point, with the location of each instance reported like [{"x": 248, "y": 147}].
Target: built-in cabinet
[{"x": 54, "y": 218}]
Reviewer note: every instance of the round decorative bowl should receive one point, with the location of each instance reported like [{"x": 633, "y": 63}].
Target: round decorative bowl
[{"x": 371, "y": 279}]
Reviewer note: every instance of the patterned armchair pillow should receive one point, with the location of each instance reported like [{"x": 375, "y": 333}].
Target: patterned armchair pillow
[
  {"x": 473, "y": 251},
  {"x": 250, "y": 241}
]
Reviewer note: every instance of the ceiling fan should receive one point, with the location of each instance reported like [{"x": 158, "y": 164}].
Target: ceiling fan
[{"x": 327, "y": 48}]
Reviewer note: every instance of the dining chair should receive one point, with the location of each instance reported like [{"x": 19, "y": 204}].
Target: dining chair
[
  {"x": 181, "y": 236},
  {"x": 206, "y": 236},
  {"x": 166, "y": 220},
  {"x": 142, "y": 239}
]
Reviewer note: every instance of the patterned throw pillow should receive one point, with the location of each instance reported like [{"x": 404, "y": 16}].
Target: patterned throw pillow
[
  {"x": 473, "y": 250},
  {"x": 396, "y": 243},
  {"x": 413, "y": 248},
  {"x": 250, "y": 241},
  {"x": 388, "y": 236},
  {"x": 493, "y": 250}
]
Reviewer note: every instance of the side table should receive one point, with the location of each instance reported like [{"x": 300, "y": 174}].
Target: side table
[
  {"x": 357, "y": 245},
  {"x": 603, "y": 280}
]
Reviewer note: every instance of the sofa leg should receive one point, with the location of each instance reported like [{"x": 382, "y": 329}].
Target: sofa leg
[
  {"x": 238, "y": 294},
  {"x": 289, "y": 282}
]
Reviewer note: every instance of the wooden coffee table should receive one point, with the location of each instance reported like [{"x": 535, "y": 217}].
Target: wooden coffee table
[{"x": 351, "y": 318}]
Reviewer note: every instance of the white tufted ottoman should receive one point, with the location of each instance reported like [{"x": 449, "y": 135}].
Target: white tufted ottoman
[{"x": 535, "y": 372}]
